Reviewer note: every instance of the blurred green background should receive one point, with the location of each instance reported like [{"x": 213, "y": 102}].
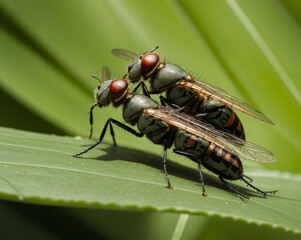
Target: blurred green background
[{"x": 50, "y": 48}]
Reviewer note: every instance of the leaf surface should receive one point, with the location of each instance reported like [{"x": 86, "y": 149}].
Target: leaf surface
[
  {"x": 39, "y": 168},
  {"x": 50, "y": 49}
]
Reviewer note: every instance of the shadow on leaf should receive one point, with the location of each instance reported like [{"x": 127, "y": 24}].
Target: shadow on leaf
[{"x": 174, "y": 169}]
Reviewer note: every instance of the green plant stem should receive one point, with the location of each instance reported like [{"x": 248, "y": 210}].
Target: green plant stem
[{"x": 180, "y": 226}]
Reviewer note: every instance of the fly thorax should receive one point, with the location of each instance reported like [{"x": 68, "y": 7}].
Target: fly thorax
[
  {"x": 180, "y": 96},
  {"x": 135, "y": 106},
  {"x": 167, "y": 76}
]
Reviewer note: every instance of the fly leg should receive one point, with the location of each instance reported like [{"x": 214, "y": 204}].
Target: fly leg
[
  {"x": 233, "y": 189},
  {"x": 165, "y": 101},
  {"x": 91, "y": 123},
  {"x": 91, "y": 118},
  {"x": 250, "y": 179},
  {"x": 165, "y": 164},
  {"x": 202, "y": 179},
  {"x": 117, "y": 123},
  {"x": 113, "y": 135},
  {"x": 162, "y": 130},
  {"x": 257, "y": 189},
  {"x": 205, "y": 114},
  {"x": 198, "y": 161},
  {"x": 144, "y": 89},
  {"x": 201, "y": 115}
]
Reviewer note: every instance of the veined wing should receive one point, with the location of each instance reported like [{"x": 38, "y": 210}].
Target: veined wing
[
  {"x": 124, "y": 54},
  {"x": 128, "y": 55},
  {"x": 221, "y": 95},
  {"x": 206, "y": 131},
  {"x": 106, "y": 73},
  {"x": 213, "y": 87}
]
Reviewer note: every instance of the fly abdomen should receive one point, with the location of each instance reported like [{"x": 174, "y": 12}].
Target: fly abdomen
[
  {"x": 214, "y": 158},
  {"x": 190, "y": 143},
  {"x": 234, "y": 125},
  {"x": 155, "y": 129},
  {"x": 222, "y": 117},
  {"x": 223, "y": 163},
  {"x": 216, "y": 113}
]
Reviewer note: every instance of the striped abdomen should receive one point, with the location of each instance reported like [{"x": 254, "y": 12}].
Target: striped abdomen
[
  {"x": 214, "y": 158},
  {"x": 234, "y": 125},
  {"x": 217, "y": 114},
  {"x": 223, "y": 163},
  {"x": 222, "y": 117}
]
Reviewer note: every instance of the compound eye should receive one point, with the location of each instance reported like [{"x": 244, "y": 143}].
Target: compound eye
[
  {"x": 149, "y": 63},
  {"x": 98, "y": 86},
  {"x": 118, "y": 90}
]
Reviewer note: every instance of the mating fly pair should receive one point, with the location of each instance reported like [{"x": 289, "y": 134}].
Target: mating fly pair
[{"x": 217, "y": 150}]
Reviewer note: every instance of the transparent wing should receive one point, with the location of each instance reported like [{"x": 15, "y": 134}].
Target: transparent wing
[
  {"x": 106, "y": 73},
  {"x": 221, "y": 95},
  {"x": 206, "y": 131},
  {"x": 124, "y": 54},
  {"x": 128, "y": 55},
  {"x": 213, "y": 87}
]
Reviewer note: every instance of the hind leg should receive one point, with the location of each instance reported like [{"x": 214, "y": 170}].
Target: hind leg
[
  {"x": 198, "y": 161},
  {"x": 257, "y": 189},
  {"x": 232, "y": 188}
]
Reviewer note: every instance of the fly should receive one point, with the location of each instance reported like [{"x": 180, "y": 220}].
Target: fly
[
  {"x": 216, "y": 150},
  {"x": 198, "y": 98}
]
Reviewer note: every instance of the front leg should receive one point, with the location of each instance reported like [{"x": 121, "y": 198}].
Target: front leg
[
  {"x": 117, "y": 123},
  {"x": 165, "y": 101},
  {"x": 91, "y": 118},
  {"x": 144, "y": 89}
]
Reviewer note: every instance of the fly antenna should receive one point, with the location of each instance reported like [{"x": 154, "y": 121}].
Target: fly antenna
[
  {"x": 124, "y": 76},
  {"x": 93, "y": 76}
]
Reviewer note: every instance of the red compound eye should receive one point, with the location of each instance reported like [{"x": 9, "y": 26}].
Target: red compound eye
[
  {"x": 118, "y": 89},
  {"x": 149, "y": 63}
]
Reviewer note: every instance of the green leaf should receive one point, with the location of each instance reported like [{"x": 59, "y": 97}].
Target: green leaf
[
  {"x": 49, "y": 49},
  {"x": 48, "y": 56},
  {"x": 40, "y": 169}
]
